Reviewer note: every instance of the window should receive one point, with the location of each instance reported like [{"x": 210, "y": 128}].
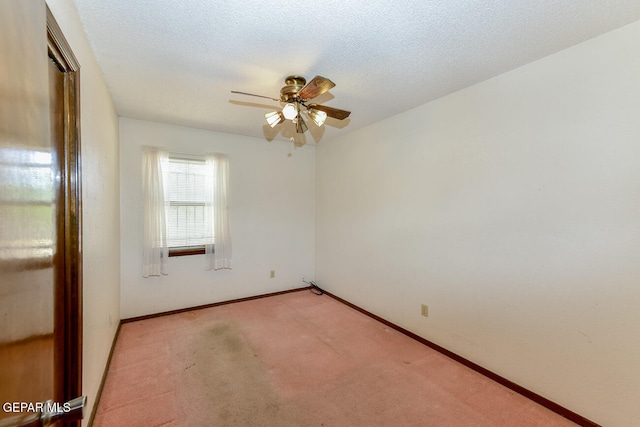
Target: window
[
  {"x": 186, "y": 199},
  {"x": 185, "y": 206}
]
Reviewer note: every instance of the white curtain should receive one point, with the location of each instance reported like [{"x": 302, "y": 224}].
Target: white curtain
[
  {"x": 218, "y": 253},
  {"x": 155, "y": 252}
]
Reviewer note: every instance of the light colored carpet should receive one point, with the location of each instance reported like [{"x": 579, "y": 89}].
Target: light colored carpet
[{"x": 296, "y": 359}]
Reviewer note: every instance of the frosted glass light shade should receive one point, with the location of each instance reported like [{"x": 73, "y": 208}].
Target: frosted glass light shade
[
  {"x": 290, "y": 111},
  {"x": 274, "y": 118},
  {"x": 318, "y": 116}
]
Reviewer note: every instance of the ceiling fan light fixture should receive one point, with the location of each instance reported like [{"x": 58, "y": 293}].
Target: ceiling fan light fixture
[
  {"x": 301, "y": 126},
  {"x": 317, "y": 116},
  {"x": 296, "y": 93},
  {"x": 290, "y": 111},
  {"x": 274, "y": 118}
]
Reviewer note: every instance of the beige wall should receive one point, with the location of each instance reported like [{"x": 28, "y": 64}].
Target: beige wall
[
  {"x": 511, "y": 208},
  {"x": 271, "y": 210},
  {"x": 100, "y": 210}
]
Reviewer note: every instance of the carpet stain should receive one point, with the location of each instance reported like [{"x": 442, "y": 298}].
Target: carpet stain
[{"x": 227, "y": 384}]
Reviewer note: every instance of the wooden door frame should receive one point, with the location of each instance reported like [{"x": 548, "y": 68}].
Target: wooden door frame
[{"x": 68, "y": 293}]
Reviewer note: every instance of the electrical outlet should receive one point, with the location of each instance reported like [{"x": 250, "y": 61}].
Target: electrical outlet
[
  {"x": 424, "y": 310},
  {"x": 273, "y": 274}
]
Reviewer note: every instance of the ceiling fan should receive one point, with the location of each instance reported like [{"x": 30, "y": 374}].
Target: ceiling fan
[{"x": 296, "y": 95}]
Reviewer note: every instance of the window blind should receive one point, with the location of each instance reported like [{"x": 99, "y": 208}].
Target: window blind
[{"x": 185, "y": 195}]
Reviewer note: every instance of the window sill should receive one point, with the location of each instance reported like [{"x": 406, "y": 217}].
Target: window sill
[{"x": 193, "y": 250}]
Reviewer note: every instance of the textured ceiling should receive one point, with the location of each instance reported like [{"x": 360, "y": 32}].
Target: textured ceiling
[{"x": 177, "y": 61}]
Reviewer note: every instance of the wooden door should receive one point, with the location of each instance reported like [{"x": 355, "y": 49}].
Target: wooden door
[{"x": 39, "y": 270}]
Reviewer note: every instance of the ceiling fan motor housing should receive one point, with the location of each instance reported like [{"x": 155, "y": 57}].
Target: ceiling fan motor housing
[{"x": 289, "y": 92}]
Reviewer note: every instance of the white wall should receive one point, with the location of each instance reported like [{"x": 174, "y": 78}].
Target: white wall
[
  {"x": 272, "y": 215},
  {"x": 100, "y": 209},
  {"x": 511, "y": 208}
]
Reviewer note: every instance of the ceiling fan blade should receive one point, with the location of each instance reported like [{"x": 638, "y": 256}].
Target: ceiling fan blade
[
  {"x": 301, "y": 126},
  {"x": 315, "y": 87},
  {"x": 331, "y": 112},
  {"x": 251, "y": 94}
]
